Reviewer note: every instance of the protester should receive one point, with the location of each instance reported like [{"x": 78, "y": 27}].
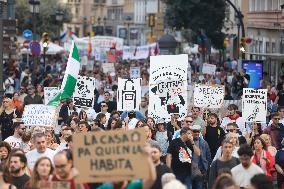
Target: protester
[
  {"x": 262, "y": 157},
  {"x": 4, "y": 178},
  {"x": 256, "y": 132},
  {"x": 174, "y": 124},
  {"x": 243, "y": 172},
  {"x": 51, "y": 140},
  {"x": 197, "y": 119},
  {"x": 7, "y": 114},
  {"x": 187, "y": 122},
  {"x": 15, "y": 140},
  {"x": 261, "y": 181},
  {"x": 42, "y": 171},
  {"x": 32, "y": 97},
  {"x": 279, "y": 166},
  {"x": 223, "y": 164},
  {"x": 224, "y": 181},
  {"x": 39, "y": 141},
  {"x": 233, "y": 128},
  {"x": 5, "y": 150},
  {"x": 179, "y": 156},
  {"x": 17, "y": 165}
]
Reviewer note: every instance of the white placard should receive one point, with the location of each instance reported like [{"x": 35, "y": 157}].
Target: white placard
[
  {"x": 254, "y": 105},
  {"x": 108, "y": 67},
  {"x": 39, "y": 115},
  {"x": 135, "y": 72},
  {"x": 84, "y": 95},
  {"x": 168, "y": 86},
  {"x": 49, "y": 93},
  {"x": 128, "y": 94},
  {"x": 207, "y": 96},
  {"x": 209, "y": 69}
]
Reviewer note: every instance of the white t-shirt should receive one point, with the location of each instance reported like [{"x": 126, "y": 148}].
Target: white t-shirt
[
  {"x": 14, "y": 141},
  {"x": 240, "y": 122},
  {"x": 33, "y": 156},
  {"x": 242, "y": 176},
  {"x": 10, "y": 81}
]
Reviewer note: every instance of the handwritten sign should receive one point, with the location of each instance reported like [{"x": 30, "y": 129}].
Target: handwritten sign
[
  {"x": 39, "y": 115},
  {"x": 207, "y": 96},
  {"x": 108, "y": 67},
  {"x": 84, "y": 95},
  {"x": 254, "y": 105},
  {"x": 110, "y": 156},
  {"x": 54, "y": 185},
  {"x": 128, "y": 94},
  {"x": 209, "y": 69},
  {"x": 135, "y": 72},
  {"x": 168, "y": 86},
  {"x": 49, "y": 93}
]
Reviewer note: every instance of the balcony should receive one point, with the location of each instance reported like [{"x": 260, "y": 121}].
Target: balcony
[{"x": 266, "y": 20}]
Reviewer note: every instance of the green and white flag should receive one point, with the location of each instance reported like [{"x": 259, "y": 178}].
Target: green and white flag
[{"x": 70, "y": 77}]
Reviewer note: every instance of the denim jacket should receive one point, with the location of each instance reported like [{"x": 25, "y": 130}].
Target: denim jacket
[{"x": 205, "y": 155}]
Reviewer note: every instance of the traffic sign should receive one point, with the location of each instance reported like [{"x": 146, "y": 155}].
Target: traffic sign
[
  {"x": 28, "y": 34},
  {"x": 35, "y": 48},
  {"x": 26, "y": 44}
]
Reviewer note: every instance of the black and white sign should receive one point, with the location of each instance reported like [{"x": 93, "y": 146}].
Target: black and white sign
[
  {"x": 84, "y": 95},
  {"x": 207, "y": 96}
]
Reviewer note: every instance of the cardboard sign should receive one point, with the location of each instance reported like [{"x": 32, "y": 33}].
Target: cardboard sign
[
  {"x": 49, "y": 93},
  {"x": 168, "y": 86},
  {"x": 108, "y": 67},
  {"x": 135, "y": 72},
  {"x": 39, "y": 115},
  {"x": 209, "y": 69},
  {"x": 55, "y": 185},
  {"x": 206, "y": 96},
  {"x": 254, "y": 105},
  {"x": 110, "y": 156},
  {"x": 84, "y": 95},
  {"x": 128, "y": 94}
]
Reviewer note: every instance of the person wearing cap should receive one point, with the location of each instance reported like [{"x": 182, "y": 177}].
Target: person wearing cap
[
  {"x": 32, "y": 98},
  {"x": 163, "y": 137},
  {"x": 203, "y": 161},
  {"x": 234, "y": 117},
  {"x": 233, "y": 128}
]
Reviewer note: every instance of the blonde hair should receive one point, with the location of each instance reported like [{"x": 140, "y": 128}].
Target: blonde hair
[
  {"x": 266, "y": 137},
  {"x": 174, "y": 184}
]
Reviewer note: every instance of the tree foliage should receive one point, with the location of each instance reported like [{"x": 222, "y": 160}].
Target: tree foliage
[
  {"x": 45, "y": 21},
  {"x": 197, "y": 15}
]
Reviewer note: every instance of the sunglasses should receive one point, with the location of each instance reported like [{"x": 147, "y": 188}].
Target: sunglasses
[
  {"x": 230, "y": 130},
  {"x": 276, "y": 118},
  {"x": 5, "y": 101},
  {"x": 103, "y": 105},
  {"x": 195, "y": 131},
  {"x": 188, "y": 121}
]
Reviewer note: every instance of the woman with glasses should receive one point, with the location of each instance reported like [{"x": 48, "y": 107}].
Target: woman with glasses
[
  {"x": 7, "y": 114},
  {"x": 262, "y": 157},
  {"x": 41, "y": 174}
]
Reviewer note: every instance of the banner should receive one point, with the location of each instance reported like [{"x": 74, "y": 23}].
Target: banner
[
  {"x": 49, "y": 93},
  {"x": 168, "y": 86},
  {"x": 207, "y": 96},
  {"x": 108, "y": 68},
  {"x": 84, "y": 94},
  {"x": 135, "y": 72},
  {"x": 40, "y": 115},
  {"x": 128, "y": 94},
  {"x": 209, "y": 69},
  {"x": 254, "y": 105},
  {"x": 141, "y": 52},
  {"x": 110, "y": 156}
]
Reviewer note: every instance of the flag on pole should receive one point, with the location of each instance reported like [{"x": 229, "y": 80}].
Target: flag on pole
[{"x": 70, "y": 77}]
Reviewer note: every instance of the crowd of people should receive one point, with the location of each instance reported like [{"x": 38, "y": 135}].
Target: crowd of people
[{"x": 203, "y": 150}]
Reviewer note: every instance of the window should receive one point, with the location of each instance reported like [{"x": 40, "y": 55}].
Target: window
[
  {"x": 76, "y": 10},
  {"x": 252, "y": 5},
  {"x": 269, "y": 5},
  {"x": 267, "y": 47},
  {"x": 275, "y": 5}
]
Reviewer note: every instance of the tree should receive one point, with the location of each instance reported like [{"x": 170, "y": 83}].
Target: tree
[
  {"x": 198, "y": 15},
  {"x": 45, "y": 20}
]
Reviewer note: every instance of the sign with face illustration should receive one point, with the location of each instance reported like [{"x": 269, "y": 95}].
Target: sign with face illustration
[
  {"x": 84, "y": 95},
  {"x": 168, "y": 86},
  {"x": 254, "y": 105}
]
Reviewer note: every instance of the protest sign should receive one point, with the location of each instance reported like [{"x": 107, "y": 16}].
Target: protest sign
[
  {"x": 54, "y": 185},
  {"x": 39, "y": 115},
  {"x": 128, "y": 94},
  {"x": 84, "y": 95},
  {"x": 254, "y": 105},
  {"x": 110, "y": 156},
  {"x": 207, "y": 96},
  {"x": 108, "y": 67},
  {"x": 135, "y": 72},
  {"x": 168, "y": 86},
  {"x": 49, "y": 93},
  {"x": 140, "y": 52},
  {"x": 209, "y": 69}
]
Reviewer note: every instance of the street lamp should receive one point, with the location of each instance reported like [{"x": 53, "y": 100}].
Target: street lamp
[
  {"x": 34, "y": 9},
  {"x": 128, "y": 20},
  {"x": 59, "y": 18}
]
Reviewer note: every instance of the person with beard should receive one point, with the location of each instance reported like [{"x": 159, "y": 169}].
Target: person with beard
[
  {"x": 32, "y": 97},
  {"x": 214, "y": 134},
  {"x": 17, "y": 165},
  {"x": 234, "y": 117},
  {"x": 15, "y": 140}
]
